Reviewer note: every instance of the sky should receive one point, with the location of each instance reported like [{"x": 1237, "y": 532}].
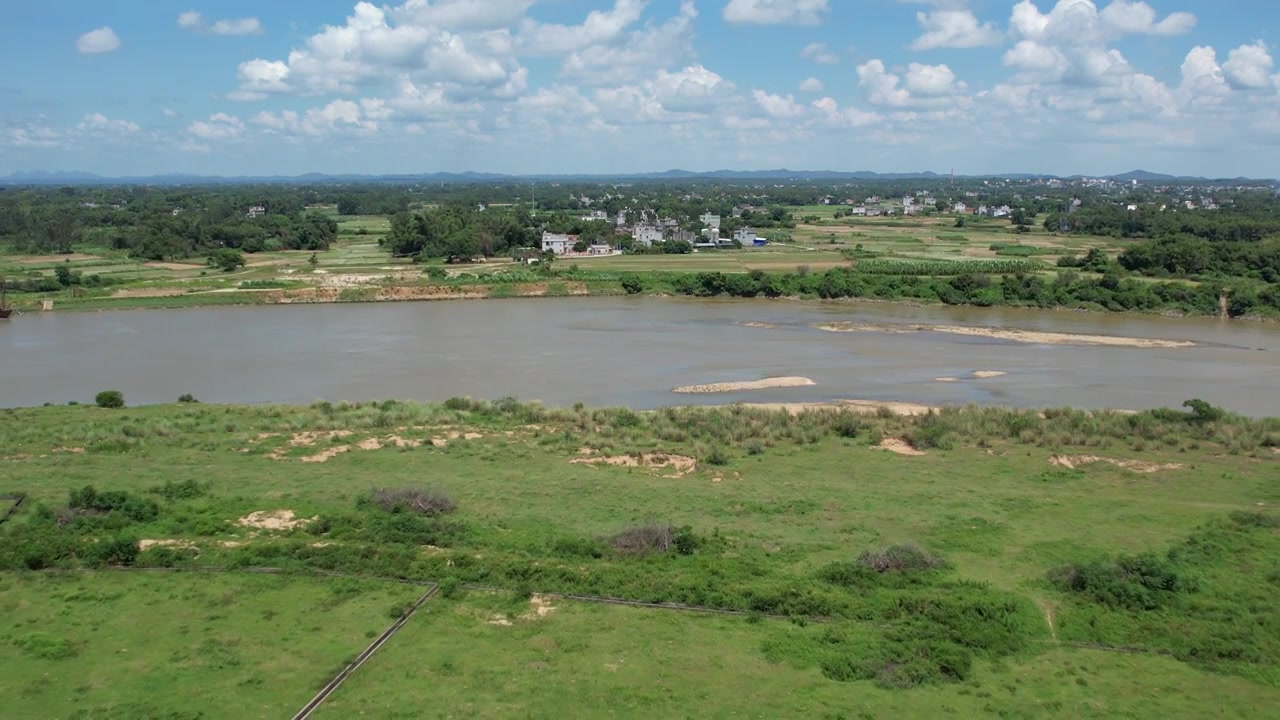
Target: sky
[{"x": 138, "y": 87}]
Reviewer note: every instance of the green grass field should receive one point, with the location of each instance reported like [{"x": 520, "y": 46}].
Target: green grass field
[
  {"x": 142, "y": 645},
  {"x": 781, "y": 513}
]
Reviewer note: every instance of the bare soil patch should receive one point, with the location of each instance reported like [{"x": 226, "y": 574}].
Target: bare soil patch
[
  {"x": 901, "y": 447},
  {"x": 1071, "y": 462},
  {"x": 149, "y": 293},
  {"x": 42, "y": 259},
  {"x": 774, "y": 382},
  {"x": 327, "y": 455},
  {"x": 682, "y": 465},
  {"x": 946, "y": 379},
  {"x": 273, "y": 520},
  {"x": 145, "y": 545},
  {"x": 175, "y": 266},
  {"x": 987, "y": 374},
  {"x": 862, "y": 407},
  {"x": 1010, "y": 334},
  {"x": 539, "y": 607}
]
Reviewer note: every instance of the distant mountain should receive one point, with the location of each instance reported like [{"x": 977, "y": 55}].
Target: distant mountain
[{"x": 83, "y": 178}]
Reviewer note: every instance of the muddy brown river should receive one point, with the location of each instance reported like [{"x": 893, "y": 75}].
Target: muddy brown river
[{"x": 629, "y": 351}]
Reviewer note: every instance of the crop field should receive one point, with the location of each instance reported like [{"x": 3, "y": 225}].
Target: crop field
[
  {"x": 137, "y": 645},
  {"x": 973, "y": 562}
]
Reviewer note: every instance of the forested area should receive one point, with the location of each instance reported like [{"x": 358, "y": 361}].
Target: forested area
[
  {"x": 154, "y": 224},
  {"x": 1242, "y": 240}
]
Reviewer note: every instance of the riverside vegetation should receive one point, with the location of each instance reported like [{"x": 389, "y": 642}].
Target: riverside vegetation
[{"x": 1016, "y": 563}]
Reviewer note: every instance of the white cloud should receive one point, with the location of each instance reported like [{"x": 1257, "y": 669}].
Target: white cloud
[
  {"x": 600, "y": 26},
  {"x": 371, "y": 47},
  {"x": 1248, "y": 67},
  {"x": 635, "y": 55},
  {"x": 777, "y": 106},
  {"x": 775, "y": 12},
  {"x": 924, "y": 85},
  {"x": 100, "y": 123},
  {"x": 168, "y": 113},
  {"x": 847, "y": 117},
  {"x": 219, "y": 126},
  {"x": 193, "y": 20},
  {"x": 1140, "y": 18},
  {"x": 339, "y": 116},
  {"x": 102, "y": 40},
  {"x": 954, "y": 27},
  {"x": 462, "y": 15},
  {"x": 819, "y": 53},
  {"x": 811, "y": 85}
]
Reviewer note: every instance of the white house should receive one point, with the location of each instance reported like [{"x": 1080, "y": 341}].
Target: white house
[
  {"x": 711, "y": 222},
  {"x": 558, "y": 243},
  {"x": 646, "y": 235},
  {"x": 858, "y": 211},
  {"x": 745, "y": 236},
  {"x": 257, "y": 211},
  {"x": 960, "y": 208}
]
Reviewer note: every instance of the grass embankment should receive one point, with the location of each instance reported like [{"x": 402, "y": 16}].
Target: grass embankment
[
  {"x": 954, "y": 578},
  {"x": 135, "y": 645}
]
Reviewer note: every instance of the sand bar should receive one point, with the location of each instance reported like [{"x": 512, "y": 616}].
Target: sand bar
[
  {"x": 1034, "y": 337},
  {"x": 861, "y": 407},
  {"x": 766, "y": 383}
]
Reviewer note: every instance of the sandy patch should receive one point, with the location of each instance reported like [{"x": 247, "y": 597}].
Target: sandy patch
[
  {"x": 500, "y": 620},
  {"x": 760, "y": 325},
  {"x": 327, "y": 455},
  {"x": 539, "y": 607},
  {"x": 681, "y": 464},
  {"x": 273, "y": 520},
  {"x": 1071, "y": 462},
  {"x": 72, "y": 450},
  {"x": 307, "y": 439},
  {"x": 946, "y": 379},
  {"x": 231, "y": 543},
  {"x": 774, "y": 382},
  {"x": 1010, "y": 334},
  {"x": 986, "y": 374},
  {"x": 861, "y": 407},
  {"x": 149, "y": 293},
  {"x": 446, "y": 438},
  {"x": 901, "y": 447},
  {"x": 145, "y": 545}
]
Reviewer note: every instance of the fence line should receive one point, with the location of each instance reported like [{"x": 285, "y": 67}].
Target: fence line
[{"x": 363, "y": 657}]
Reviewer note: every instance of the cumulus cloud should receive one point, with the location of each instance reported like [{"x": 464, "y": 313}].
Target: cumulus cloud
[
  {"x": 336, "y": 117},
  {"x": 1248, "y": 67},
  {"x": 219, "y": 126},
  {"x": 101, "y": 123},
  {"x": 838, "y": 117},
  {"x": 168, "y": 113},
  {"x": 462, "y": 15},
  {"x": 924, "y": 84},
  {"x": 102, "y": 40},
  {"x": 775, "y": 12},
  {"x": 811, "y": 85},
  {"x": 1140, "y": 18},
  {"x": 637, "y": 54},
  {"x": 192, "y": 20},
  {"x": 600, "y": 26},
  {"x": 953, "y": 25},
  {"x": 777, "y": 106},
  {"x": 819, "y": 53}
]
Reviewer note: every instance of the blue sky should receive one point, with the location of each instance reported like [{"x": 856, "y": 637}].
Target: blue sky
[{"x": 125, "y": 87}]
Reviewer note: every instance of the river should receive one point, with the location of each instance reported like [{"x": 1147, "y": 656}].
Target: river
[{"x": 626, "y": 351}]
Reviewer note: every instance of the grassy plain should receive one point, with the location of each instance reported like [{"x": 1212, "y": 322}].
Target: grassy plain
[
  {"x": 781, "y": 507},
  {"x": 175, "y": 645},
  {"x": 356, "y": 260}
]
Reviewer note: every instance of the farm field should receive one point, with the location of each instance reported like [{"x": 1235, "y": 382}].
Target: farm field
[
  {"x": 114, "y": 644},
  {"x": 754, "y": 510}
]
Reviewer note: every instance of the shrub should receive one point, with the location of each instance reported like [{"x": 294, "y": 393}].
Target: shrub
[
  {"x": 459, "y": 404},
  {"x": 1203, "y": 412},
  {"x": 930, "y": 432},
  {"x": 717, "y": 457},
  {"x": 185, "y": 490},
  {"x": 422, "y": 500},
  {"x": 643, "y": 540},
  {"x": 450, "y": 587},
  {"x": 89, "y": 500},
  {"x": 46, "y": 647},
  {"x": 685, "y": 541},
  {"x": 846, "y": 425},
  {"x": 1137, "y": 582},
  {"x": 187, "y": 398},
  {"x": 109, "y": 399},
  {"x": 633, "y": 285},
  {"x": 907, "y": 557},
  {"x": 119, "y": 550}
]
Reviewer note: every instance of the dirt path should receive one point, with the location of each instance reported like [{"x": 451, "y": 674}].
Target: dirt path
[{"x": 1048, "y": 617}]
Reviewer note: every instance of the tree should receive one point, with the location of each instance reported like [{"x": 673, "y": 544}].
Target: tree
[
  {"x": 960, "y": 221},
  {"x": 112, "y": 399},
  {"x": 226, "y": 259},
  {"x": 348, "y": 205},
  {"x": 580, "y": 246},
  {"x": 63, "y": 273}
]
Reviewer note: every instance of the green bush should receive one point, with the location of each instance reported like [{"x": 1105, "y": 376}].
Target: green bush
[
  {"x": 109, "y": 399},
  {"x": 121, "y": 550},
  {"x": 187, "y": 398},
  {"x": 1138, "y": 582},
  {"x": 46, "y": 647}
]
